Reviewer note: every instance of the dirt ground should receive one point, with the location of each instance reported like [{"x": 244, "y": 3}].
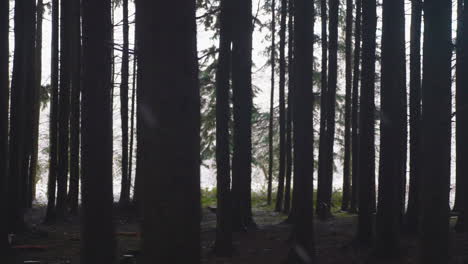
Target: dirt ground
[{"x": 268, "y": 244}]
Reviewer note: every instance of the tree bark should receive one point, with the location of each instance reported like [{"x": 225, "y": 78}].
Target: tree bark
[
  {"x": 272, "y": 96},
  {"x": 436, "y": 127},
  {"x": 303, "y": 250},
  {"x": 367, "y": 126},
  {"x": 96, "y": 130},
  {"x": 171, "y": 129}
]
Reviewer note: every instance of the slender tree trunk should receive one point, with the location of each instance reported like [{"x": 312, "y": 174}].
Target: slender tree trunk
[
  {"x": 223, "y": 246},
  {"x": 243, "y": 104},
  {"x": 132, "y": 120},
  {"x": 393, "y": 114},
  {"x": 462, "y": 114},
  {"x": 53, "y": 117},
  {"x": 349, "y": 79},
  {"x": 22, "y": 85},
  {"x": 289, "y": 121},
  {"x": 4, "y": 100},
  {"x": 171, "y": 226},
  {"x": 322, "y": 168},
  {"x": 64, "y": 108},
  {"x": 75, "y": 107},
  {"x": 36, "y": 105},
  {"x": 125, "y": 182},
  {"x": 412, "y": 215},
  {"x": 436, "y": 126},
  {"x": 367, "y": 126},
  {"x": 282, "y": 112},
  {"x": 96, "y": 130},
  {"x": 355, "y": 110},
  {"x": 303, "y": 250},
  {"x": 272, "y": 95}
]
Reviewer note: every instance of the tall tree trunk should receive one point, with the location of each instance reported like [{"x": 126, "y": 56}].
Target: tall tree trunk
[
  {"x": 64, "y": 107},
  {"x": 132, "y": 119},
  {"x": 125, "y": 182},
  {"x": 96, "y": 130},
  {"x": 412, "y": 215},
  {"x": 75, "y": 107},
  {"x": 282, "y": 112},
  {"x": 4, "y": 98},
  {"x": 462, "y": 114},
  {"x": 22, "y": 85},
  {"x": 223, "y": 246},
  {"x": 436, "y": 127},
  {"x": 458, "y": 73},
  {"x": 303, "y": 250},
  {"x": 170, "y": 96},
  {"x": 393, "y": 114},
  {"x": 272, "y": 96},
  {"x": 367, "y": 126},
  {"x": 53, "y": 117},
  {"x": 289, "y": 121},
  {"x": 349, "y": 78},
  {"x": 355, "y": 110},
  {"x": 243, "y": 104},
  {"x": 322, "y": 168},
  {"x": 36, "y": 104}
]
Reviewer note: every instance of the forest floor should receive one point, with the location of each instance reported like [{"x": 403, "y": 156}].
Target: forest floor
[{"x": 60, "y": 243}]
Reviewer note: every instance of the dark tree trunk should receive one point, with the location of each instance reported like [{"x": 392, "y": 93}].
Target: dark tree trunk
[
  {"x": 125, "y": 181},
  {"x": 21, "y": 86},
  {"x": 436, "y": 127},
  {"x": 132, "y": 120},
  {"x": 75, "y": 108},
  {"x": 96, "y": 130},
  {"x": 272, "y": 95},
  {"x": 53, "y": 117},
  {"x": 355, "y": 110},
  {"x": 289, "y": 121},
  {"x": 303, "y": 250},
  {"x": 458, "y": 71},
  {"x": 367, "y": 126},
  {"x": 64, "y": 107},
  {"x": 349, "y": 79},
  {"x": 171, "y": 97},
  {"x": 242, "y": 100},
  {"x": 223, "y": 246},
  {"x": 412, "y": 215},
  {"x": 322, "y": 167},
  {"x": 462, "y": 115},
  {"x": 282, "y": 108},
  {"x": 4, "y": 98},
  {"x": 36, "y": 105},
  {"x": 393, "y": 114}
]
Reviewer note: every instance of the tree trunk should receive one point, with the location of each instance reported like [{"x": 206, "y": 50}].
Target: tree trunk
[
  {"x": 355, "y": 110},
  {"x": 4, "y": 98},
  {"x": 303, "y": 250},
  {"x": 132, "y": 120},
  {"x": 125, "y": 181},
  {"x": 412, "y": 215},
  {"x": 462, "y": 114},
  {"x": 393, "y": 114},
  {"x": 22, "y": 85},
  {"x": 170, "y": 97},
  {"x": 223, "y": 245},
  {"x": 436, "y": 126},
  {"x": 282, "y": 112},
  {"x": 367, "y": 133},
  {"x": 53, "y": 117},
  {"x": 96, "y": 130},
  {"x": 289, "y": 121},
  {"x": 349, "y": 79},
  {"x": 64, "y": 107},
  {"x": 243, "y": 104},
  {"x": 272, "y": 95},
  {"x": 322, "y": 167},
  {"x": 75, "y": 108}
]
